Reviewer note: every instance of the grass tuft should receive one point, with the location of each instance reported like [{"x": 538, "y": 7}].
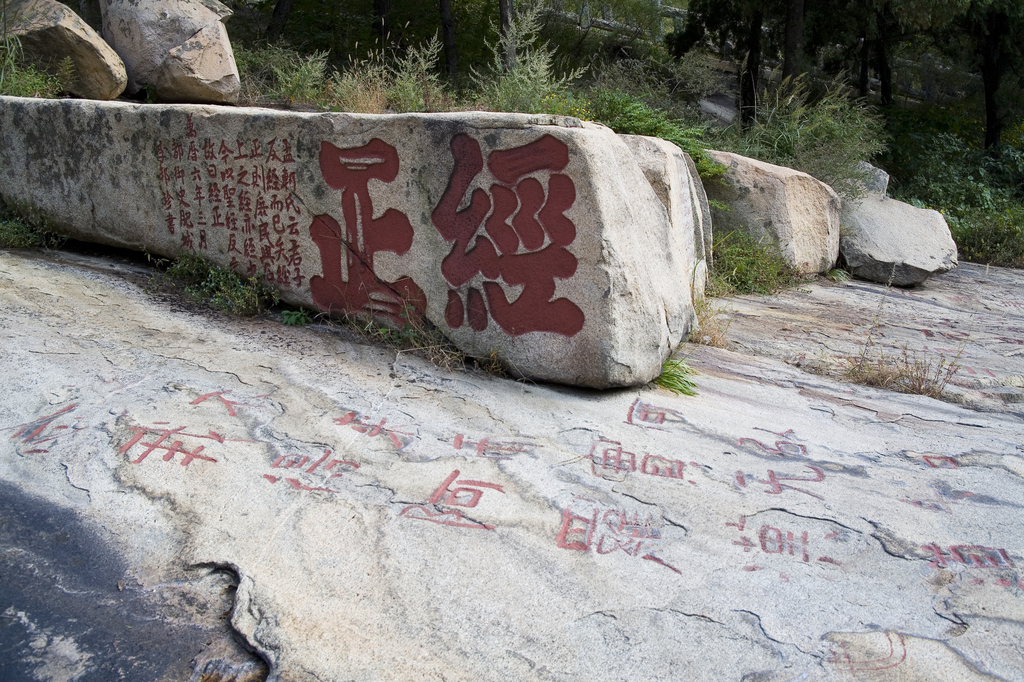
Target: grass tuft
[
  {"x": 217, "y": 287},
  {"x": 905, "y": 371},
  {"x": 677, "y": 376},
  {"x": 712, "y": 330}
]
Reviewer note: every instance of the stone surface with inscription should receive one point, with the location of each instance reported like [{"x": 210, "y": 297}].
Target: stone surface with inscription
[
  {"x": 351, "y": 513},
  {"x": 179, "y": 49},
  {"x": 535, "y": 238},
  {"x": 780, "y": 206}
]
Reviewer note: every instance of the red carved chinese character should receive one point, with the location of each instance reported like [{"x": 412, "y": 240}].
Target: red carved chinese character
[
  {"x": 348, "y": 283},
  {"x": 493, "y": 448},
  {"x": 466, "y": 494},
  {"x": 587, "y": 526},
  {"x": 785, "y": 448},
  {"x": 530, "y": 252},
  {"x": 358, "y": 423},
  {"x": 609, "y": 456},
  {"x": 653, "y": 417},
  {"x": 175, "y": 447},
  {"x": 42, "y": 430}
]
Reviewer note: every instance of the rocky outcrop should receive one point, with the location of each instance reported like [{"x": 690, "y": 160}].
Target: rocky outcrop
[
  {"x": 535, "y": 238},
  {"x": 50, "y": 32},
  {"x": 780, "y": 206},
  {"x": 178, "y": 48},
  {"x": 892, "y": 242},
  {"x": 673, "y": 176}
]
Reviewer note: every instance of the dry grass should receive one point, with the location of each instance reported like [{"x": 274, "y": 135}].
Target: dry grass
[
  {"x": 713, "y": 328},
  {"x": 903, "y": 370}
]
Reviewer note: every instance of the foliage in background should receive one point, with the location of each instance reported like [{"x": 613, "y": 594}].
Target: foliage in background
[
  {"x": 524, "y": 86},
  {"x": 629, "y": 115},
  {"x": 937, "y": 162},
  {"x": 218, "y": 287},
  {"x": 744, "y": 265},
  {"x": 823, "y": 134}
]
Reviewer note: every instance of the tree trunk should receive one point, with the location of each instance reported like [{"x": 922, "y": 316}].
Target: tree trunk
[
  {"x": 793, "y": 61},
  {"x": 863, "y": 84},
  {"x": 751, "y": 70},
  {"x": 882, "y": 53},
  {"x": 508, "y": 48},
  {"x": 281, "y": 11},
  {"x": 994, "y": 64},
  {"x": 382, "y": 21},
  {"x": 451, "y": 60}
]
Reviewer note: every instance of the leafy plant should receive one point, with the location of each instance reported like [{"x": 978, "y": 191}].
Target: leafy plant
[
  {"x": 677, "y": 376},
  {"x": 744, "y": 265},
  {"x": 218, "y": 287},
  {"x": 23, "y": 227},
  {"x": 823, "y": 134},
  {"x": 296, "y": 318}
]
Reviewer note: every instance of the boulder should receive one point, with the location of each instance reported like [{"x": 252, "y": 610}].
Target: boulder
[
  {"x": 178, "y": 48},
  {"x": 673, "y": 177},
  {"x": 50, "y": 32},
  {"x": 782, "y": 206},
  {"x": 892, "y": 242},
  {"x": 535, "y": 238}
]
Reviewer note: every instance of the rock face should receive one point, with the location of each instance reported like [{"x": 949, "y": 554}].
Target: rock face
[
  {"x": 385, "y": 520},
  {"x": 535, "y": 237},
  {"x": 180, "y": 48},
  {"x": 892, "y": 242},
  {"x": 50, "y": 32},
  {"x": 798, "y": 213},
  {"x": 673, "y": 177}
]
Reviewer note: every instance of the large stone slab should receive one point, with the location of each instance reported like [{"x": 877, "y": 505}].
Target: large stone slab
[
  {"x": 178, "y": 48},
  {"x": 387, "y": 520},
  {"x": 538, "y": 238},
  {"x": 50, "y": 32},
  {"x": 782, "y": 207}
]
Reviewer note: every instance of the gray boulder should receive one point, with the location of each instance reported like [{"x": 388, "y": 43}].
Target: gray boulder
[
  {"x": 179, "y": 48},
  {"x": 50, "y": 32},
  {"x": 889, "y": 241},
  {"x": 780, "y": 206},
  {"x": 672, "y": 175}
]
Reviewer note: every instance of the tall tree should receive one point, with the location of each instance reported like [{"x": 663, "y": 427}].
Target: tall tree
[
  {"x": 451, "y": 60},
  {"x": 996, "y": 28},
  {"x": 277, "y": 21},
  {"x": 508, "y": 46},
  {"x": 793, "y": 59}
]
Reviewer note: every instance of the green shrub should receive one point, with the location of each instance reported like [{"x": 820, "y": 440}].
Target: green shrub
[
  {"x": 524, "y": 86},
  {"x": 218, "y": 287},
  {"x": 677, "y": 376},
  {"x": 824, "y": 135},
  {"x": 629, "y": 115},
  {"x": 742, "y": 265},
  {"x": 277, "y": 72},
  {"x": 24, "y": 80}
]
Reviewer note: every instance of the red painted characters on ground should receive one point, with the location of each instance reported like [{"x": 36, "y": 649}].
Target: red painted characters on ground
[
  {"x": 609, "y": 460},
  {"x": 349, "y": 284},
  {"x": 35, "y": 437},
  {"x": 650, "y": 416},
  {"x": 361, "y": 424},
  {"x": 786, "y": 447},
  {"x": 494, "y": 448},
  {"x": 466, "y": 493},
  {"x": 301, "y": 474},
  {"x": 235, "y": 195},
  {"x": 776, "y": 486},
  {"x": 169, "y": 443},
  {"x": 588, "y": 526},
  {"x": 974, "y": 556},
  {"x": 523, "y": 243},
  {"x": 772, "y": 540}
]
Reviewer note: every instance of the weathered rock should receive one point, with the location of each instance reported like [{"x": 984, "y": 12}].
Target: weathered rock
[
  {"x": 388, "y": 520},
  {"x": 50, "y": 32},
  {"x": 673, "y": 176},
  {"x": 388, "y": 216},
  {"x": 877, "y": 181},
  {"x": 781, "y": 206},
  {"x": 179, "y": 48},
  {"x": 889, "y": 241}
]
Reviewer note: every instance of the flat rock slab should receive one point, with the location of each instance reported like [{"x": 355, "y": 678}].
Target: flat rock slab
[
  {"x": 973, "y": 316},
  {"x": 387, "y": 520}
]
